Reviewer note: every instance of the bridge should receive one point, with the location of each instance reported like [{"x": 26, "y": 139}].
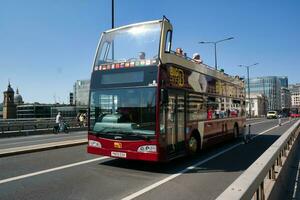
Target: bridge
[{"x": 48, "y": 166}]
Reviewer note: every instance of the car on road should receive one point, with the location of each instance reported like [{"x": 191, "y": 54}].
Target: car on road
[
  {"x": 294, "y": 115},
  {"x": 272, "y": 115}
]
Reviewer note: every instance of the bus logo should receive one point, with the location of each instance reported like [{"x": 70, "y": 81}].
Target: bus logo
[
  {"x": 118, "y": 145},
  {"x": 176, "y": 76}
]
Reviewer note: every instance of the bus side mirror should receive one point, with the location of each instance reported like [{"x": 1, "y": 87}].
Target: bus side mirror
[{"x": 164, "y": 96}]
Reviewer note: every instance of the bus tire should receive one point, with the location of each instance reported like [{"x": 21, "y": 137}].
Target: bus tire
[
  {"x": 235, "y": 131},
  {"x": 194, "y": 144}
]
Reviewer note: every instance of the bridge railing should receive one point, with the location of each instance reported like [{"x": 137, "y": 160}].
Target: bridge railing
[
  {"x": 258, "y": 180},
  {"x": 32, "y": 124}
]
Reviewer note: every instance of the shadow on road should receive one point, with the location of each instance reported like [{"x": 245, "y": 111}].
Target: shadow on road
[{"x": 237, "y": 159}]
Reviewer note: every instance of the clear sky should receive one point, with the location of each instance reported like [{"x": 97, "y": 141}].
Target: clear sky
[{"x": 45, "y": 46}]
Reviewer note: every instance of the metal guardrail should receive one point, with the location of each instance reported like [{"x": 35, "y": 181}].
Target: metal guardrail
[
  {"x": 32, "y": 124},
  {"x": 258, "y": 180}
]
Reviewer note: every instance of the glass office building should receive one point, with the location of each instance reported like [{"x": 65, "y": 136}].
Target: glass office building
[
  {"x": 81, "y": 92},
  {"x": 284, "y": 81},
  {"x": 270, "y": 86}
]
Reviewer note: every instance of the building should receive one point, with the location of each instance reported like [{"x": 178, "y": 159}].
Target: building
[
  {"x": 71, "y": 98},
  {"x": 9, "y": 107},
  {"x": 65, "y": 111},
  {"x": 81, "y": 92},
  {"x": 259, "y": 105},
  {"x": 18, "y": 99},
  {"x": 1, "y": 110},
  {"x": 295, "y": 95},
  {"x": 270, "y": 86},
  {"x": 34, "y": 110},
  {"x": 284, "y": 81},
  {"x": 285, "y": 99}
]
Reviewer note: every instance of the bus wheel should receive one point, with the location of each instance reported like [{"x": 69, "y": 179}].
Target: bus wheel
[
  {"x": 235, "y": 131},
  {"x": 193, "y": 145}
]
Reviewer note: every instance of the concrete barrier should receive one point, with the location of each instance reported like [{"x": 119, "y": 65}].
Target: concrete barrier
[
  {"x": 260, "y": 178},
  {"x": 36, "y": 132},
  {"x": 41, "y": 147}
]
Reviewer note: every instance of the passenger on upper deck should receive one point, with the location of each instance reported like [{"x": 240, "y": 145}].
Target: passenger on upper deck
[
  {"x": 179, "y": 52},
  {"x": 196, "y": 58},
  {"x": 142, "y": 55}
]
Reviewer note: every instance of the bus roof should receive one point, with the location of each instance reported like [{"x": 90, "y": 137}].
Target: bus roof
[
  {"x": 131, "y": 25},
  {"x": 185, "y": 62}
]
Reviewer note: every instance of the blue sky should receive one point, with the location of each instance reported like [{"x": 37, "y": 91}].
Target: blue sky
[{"x": 46, "y": 45}]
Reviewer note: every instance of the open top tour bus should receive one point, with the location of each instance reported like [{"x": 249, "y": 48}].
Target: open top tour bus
[{"x": 149, "y": 103}]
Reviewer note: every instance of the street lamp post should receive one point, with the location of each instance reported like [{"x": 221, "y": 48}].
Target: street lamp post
[
  {"x": 112, "y": 14},
  {"x": 248, "y": 83},
  {"x": 215, "y": 47},
  {"x": 113, "y": 26}
]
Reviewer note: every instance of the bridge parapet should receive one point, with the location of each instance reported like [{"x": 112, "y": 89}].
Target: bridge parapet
[
  {"x": 259, "y": 179},
  {"x": 35, "y": 125}
]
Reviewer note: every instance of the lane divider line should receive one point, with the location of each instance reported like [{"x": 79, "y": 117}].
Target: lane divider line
[
  {"x": 51, "y": 170},
  {"x": 296, "y": 182},
  {"x": 169, "y": 178},
  {"x": 260, "y": 122},
  {"x": 270, "y": 129}
]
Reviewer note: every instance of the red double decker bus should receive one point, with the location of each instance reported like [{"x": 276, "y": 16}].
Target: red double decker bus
[{"x": 149, "y": 103}]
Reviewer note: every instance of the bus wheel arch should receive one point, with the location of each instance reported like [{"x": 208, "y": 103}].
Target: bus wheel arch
[{"x": 194, "y": 142}]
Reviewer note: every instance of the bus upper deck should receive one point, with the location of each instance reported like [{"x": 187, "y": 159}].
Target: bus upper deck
[{"x": 147, "y": 43}]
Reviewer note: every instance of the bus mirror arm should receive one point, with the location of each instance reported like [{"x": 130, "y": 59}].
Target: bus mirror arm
[{"x": 164, "y": 96}]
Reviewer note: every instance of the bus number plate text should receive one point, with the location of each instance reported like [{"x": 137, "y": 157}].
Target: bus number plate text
[{"x": 118, "y": 154}]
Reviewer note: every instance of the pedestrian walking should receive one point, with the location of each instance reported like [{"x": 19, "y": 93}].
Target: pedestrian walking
[{"x": 59, "y": 122}]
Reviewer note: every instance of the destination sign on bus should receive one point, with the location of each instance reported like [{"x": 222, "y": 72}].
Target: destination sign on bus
[{"x": 125, "y": 65}]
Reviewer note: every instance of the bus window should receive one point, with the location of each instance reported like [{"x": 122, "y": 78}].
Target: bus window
[
  {"x": 103, "y": 54},
  {"x": 168, "y": 41},
  {"x": 128, "y": 43}
]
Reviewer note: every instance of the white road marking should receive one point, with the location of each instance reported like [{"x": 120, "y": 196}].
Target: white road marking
[
  {"x": 296, "y": 182},
  {"x": 50, "y": 170},
  {"x": 269, "y": 129},
  {"x": 260, "y": 122},
  {"x": 151, "y": 187}
]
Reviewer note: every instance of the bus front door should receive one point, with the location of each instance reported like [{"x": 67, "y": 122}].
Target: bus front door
[{"x": 175, "y": 123}]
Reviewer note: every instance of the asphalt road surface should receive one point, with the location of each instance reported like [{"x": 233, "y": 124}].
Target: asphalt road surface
[{"x": 71, "y": 173}]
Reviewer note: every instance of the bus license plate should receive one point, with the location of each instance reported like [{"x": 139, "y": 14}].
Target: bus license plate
[{"x": 118, "y": 154}]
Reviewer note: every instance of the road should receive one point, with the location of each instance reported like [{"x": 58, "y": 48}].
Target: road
[
  {"x": 71, "y": 173},
  {"x": 47, "y": 138}
]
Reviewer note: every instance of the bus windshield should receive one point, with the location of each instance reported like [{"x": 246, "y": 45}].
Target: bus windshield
[
  {"x": 123, "y": 111},
  {"x": 129, "y": 44}
]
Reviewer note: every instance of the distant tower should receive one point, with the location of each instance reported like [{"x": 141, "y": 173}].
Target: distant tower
[
  {"x": 18, "y": 100},
  {"x": 9, "y": 107}
]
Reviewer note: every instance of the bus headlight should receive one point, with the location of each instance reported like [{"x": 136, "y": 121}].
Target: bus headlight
[
  {"x": 94, "y": 143},
  {"x": 147, "y": 148}
]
